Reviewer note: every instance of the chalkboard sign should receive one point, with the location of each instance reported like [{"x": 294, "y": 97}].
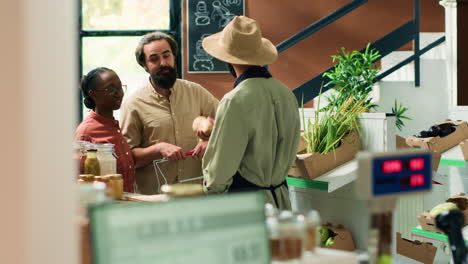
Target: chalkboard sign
[{"x": 206, "y": 17}]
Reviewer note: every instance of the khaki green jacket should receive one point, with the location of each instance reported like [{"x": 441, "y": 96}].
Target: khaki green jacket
[{"x": 256, "y": 132}]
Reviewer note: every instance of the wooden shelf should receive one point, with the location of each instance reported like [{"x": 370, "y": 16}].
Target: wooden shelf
[{"x": 329, "y": 181}]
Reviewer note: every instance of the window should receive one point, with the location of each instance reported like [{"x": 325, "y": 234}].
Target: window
[{"x": 110, "y": 31}]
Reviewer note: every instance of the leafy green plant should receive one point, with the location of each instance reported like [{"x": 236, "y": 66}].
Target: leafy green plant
[
  {"x": 330, "y": 127},
  {"x": 353, "y": 76},
  {"x": 399, "y": 110}
]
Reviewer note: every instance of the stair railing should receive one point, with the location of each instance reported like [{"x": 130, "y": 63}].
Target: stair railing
[{"x": 392, "y": 41}]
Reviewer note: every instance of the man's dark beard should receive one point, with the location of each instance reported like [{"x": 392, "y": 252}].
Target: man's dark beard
[
  {"x": 231, "y": 69},
  {"x": 165, "y": 80}
]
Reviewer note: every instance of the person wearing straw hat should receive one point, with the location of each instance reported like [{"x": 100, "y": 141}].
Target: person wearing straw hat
[{"x": 256, "y": 129}]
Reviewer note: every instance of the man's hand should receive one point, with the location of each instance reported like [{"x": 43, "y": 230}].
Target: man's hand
[
  {"x": 171, "y": 152},
  {"x": 199, "y": 150}
]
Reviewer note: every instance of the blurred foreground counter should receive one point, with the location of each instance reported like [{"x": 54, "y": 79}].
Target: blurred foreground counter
[{"x": 328, "y": 256}]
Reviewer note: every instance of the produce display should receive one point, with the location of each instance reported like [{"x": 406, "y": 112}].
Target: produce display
[
  {"x": 327, "y": 237},
  {"x": 442, "y": 207},
  {"x": 441, "y": 130}
]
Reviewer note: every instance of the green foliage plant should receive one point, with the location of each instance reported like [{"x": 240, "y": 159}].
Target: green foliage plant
[
  {"x": 331, "y": 126},
  {"x": 399, "y": 112},
  {"x": 352, "y": 76}
]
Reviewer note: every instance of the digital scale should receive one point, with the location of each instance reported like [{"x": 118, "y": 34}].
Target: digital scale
[{"x": 382, "y": 179}]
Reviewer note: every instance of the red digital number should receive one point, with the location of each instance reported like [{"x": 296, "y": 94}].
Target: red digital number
[
  {"x": 416, "y": 164},
  {"x": 392, "y": 166},
  {"x": 416, "y": 180}
]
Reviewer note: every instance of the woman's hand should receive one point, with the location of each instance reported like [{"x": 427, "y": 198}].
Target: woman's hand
[{"x": 199, "y": 150}]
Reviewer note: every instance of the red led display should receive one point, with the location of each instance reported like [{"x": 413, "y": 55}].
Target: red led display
[
  {"x": 416, "y": 164},
  {"x": 392, "y": 166},
  {"x": 416, "y": 180}
]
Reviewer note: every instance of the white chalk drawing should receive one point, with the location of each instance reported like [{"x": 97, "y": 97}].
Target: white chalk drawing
[
  {"x": 225, "y": 16},
  {"x": 206, "y": 17},
  {"x": 202, "y": 15},
  {"x": 203, "y": 61},
  {"x": 232, "y": 2}
]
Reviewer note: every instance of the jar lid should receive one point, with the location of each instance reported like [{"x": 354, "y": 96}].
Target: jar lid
[
  {"x": 105, "y": 147},
  {"x": 313, "y": 217},
  {"x": 270, "y": 210},
  {"x": 102, "y": 178},
  {"x": 87, "y": 177},
  {"x": 114, "y": 176}
]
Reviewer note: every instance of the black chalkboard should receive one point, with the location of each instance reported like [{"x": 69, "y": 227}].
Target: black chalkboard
[{"x": 206, "y": 17}]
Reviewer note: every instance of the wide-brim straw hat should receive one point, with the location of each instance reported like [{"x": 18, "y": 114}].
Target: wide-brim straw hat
[{"x": 241, "y": 42}]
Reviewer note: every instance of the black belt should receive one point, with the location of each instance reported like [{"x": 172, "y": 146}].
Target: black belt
[{"x": 240, "y": 184}]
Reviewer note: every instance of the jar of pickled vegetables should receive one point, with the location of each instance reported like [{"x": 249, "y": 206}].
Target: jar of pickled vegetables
[{"x": 91, "y": 164}]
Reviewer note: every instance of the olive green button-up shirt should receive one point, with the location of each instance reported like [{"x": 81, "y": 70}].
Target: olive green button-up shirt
[
  {"x": 148, "y": 118},
  {"x": 256, "y": 132}
]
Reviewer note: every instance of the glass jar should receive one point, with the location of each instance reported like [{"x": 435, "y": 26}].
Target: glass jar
[
  {"x": 116, "y": 183},
  {"x": 312, "y": 221},
  {"x": 86, "y": 179},
  {"x": 107, "y": 181},
  {"x": 106, "y": 157},
  {"x": 91, "y": 164},
  {"x": 91, "y": 194},
  {"x": 80, "y": 148},
  {"x": 287, "y": 237}
]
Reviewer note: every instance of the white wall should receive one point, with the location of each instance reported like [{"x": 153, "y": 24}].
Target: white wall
[
  {"x": 428, "y": 104},
  {"x": 39, "y": 81}
]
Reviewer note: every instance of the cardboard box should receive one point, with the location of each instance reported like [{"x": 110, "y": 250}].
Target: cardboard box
[
  {"x": 464, "y": 148},
  {"x": 436, "y": 156},
  {"x": 401, "y": 142},
  {"x": 422, "y": 252},
  {"x": 427, "y": 221},
  {"x": 441, "y": 144},
  {"x": 312, "y": 165},
  {"x": 343, "y": 238}
]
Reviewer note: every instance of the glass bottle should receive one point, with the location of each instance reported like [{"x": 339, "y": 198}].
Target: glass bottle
[
  {"x": 288, "y": 244},
  {"x": 107, "y": 160},
  {"x": 91, "y": 164},
  {"x": 312, "y": 221}
]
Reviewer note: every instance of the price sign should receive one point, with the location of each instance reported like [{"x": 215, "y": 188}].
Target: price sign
[
  {"x": 384, "y": 174},
  {"x": 213, "y": 229}
]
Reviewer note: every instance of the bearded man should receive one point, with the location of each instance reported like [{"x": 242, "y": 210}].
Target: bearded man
[{"x": 157, "y": 119}]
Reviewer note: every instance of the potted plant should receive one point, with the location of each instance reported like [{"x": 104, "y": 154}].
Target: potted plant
[
  {"x": 332, "y": 138},
  {"x": 352, "y": 76}
]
